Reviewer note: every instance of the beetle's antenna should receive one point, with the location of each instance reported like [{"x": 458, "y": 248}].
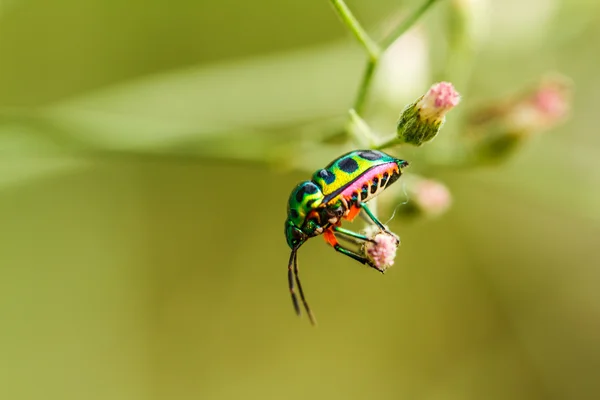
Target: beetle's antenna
[
  {"x": 291, "y": 281},
  {"x": 306, "y": 307}
]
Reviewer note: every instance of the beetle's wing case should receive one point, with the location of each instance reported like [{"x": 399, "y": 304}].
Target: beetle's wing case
[
  {"x": 347, "y": 168},
  {"x": 353, "y": 170}
]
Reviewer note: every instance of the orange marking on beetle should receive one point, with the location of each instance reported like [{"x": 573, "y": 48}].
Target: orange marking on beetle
[
  {"x": 330, "y": 237},
  {"x": 354, "y": 210}
]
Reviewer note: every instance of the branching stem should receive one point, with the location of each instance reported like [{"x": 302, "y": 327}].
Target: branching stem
[
  {"x": 373, "y": 49},
  {"x": 352, "y": 23},
  {"x": 407, "y": 24}
]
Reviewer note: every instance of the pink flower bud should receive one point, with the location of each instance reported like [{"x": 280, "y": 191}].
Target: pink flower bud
[
  {"x": 431, "y": 197},
  {"x": 536, "y": 110},
  {"x": 499, "y": 130},
  {"x": 421, "y": 121},
  {"x": 544, "y": 108},
  {"x": 439, "y": 99}
]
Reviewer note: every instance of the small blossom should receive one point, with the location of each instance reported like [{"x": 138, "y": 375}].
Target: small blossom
[
  {"x": 432, "y": 197},
  {"x": 541, "y": 109},
  {"x": 440, "y": 99},
  {"x": 499, "y": 130},
  {"x": 421, "y": 121},
  {"x": 423, "y": 197},
  {"x": 382, "y": 250}
]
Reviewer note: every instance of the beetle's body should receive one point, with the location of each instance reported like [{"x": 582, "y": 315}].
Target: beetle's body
[{"x": 338, "y": 191}]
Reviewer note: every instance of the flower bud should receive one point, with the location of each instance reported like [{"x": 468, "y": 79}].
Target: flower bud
[
  {"x": 432, "y": 198},
  {"x": 422, "y": 120},
  {"x": 543, "y": 108},
  {"x": 499, "y": 130},
  {"x": 426, "y": 198}
]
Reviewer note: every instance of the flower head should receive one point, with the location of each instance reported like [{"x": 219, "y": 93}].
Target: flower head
[
  {"x": 381, "y": 251},
  {"x": 542, "y": 108},
  {"x": 438, "y": 100},
  {"x": 431, "y": 197},
  {"x": 421, "y": 197},
  {"x": 502, "y": 128},
  {"x": 421, "y": 121}
]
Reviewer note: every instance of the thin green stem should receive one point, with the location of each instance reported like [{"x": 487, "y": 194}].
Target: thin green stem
[
  {"x": 361, "y": 131},
  {"x": 393, "y": 141},
  {"x": 365, "y": 84},
  {"x": 406, "y": 24},
  {"x": 352, "y": 23}
]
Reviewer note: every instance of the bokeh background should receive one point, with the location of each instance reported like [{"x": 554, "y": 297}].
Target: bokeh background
[{"x": 141, "y": 244}]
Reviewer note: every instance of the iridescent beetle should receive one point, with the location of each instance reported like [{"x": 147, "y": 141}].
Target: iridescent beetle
[{"x": 338, "y": 191}]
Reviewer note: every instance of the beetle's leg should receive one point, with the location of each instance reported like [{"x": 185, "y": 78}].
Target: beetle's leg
[
  {"x": 351, "y": 234},
  {"x": 372, "y": 217},
  {"x": 364, "y": 215},
  {"x": 331, "y": 239},
  {"x": 355, "y": 256},
  {"x": 377, "y": 222}
]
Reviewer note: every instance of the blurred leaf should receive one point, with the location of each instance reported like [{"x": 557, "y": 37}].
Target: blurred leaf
[{"x": 234, "y": 96}]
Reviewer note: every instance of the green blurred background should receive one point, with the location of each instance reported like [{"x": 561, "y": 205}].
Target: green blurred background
[{"x": 141, "y": 245}]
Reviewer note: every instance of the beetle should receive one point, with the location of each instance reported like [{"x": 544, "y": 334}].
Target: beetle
[{"x": 337, "y": 192}]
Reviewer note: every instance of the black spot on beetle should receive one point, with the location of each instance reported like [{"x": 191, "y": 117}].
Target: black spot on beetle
[
  {"x": 394, "y": 177},
  {"x": 311, "y": 188},
  {"x": 384, "y": 179},
  {"x": 365, "y": 192},
  {"x": 294, "y": 214},
  {"x": 374, "y": 187},
  {"x": 327, "y": 176},
  {"x": 310, "y": 203},
  {"x": 306, "y": 188},
  {"x": 371, "y": 155},
  {"x": 348, "y": 165}
]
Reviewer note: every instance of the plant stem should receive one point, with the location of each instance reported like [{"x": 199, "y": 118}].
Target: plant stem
[
  {"x": 361, "y": 98},
  {"x": 373, "y": 49},
  {"x": 359, "y": 129},
  {"x": 352, "y": 23},
  {"x": 365, "y": 84},
  {"x": 406, "y": 24},
  {"x": 387, "y": 143}
]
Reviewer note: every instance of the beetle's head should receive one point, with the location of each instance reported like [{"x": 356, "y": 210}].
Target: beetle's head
[{"x": 295, "y": 236}]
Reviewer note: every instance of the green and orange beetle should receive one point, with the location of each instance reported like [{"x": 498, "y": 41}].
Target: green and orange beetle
[{"x": 337, "y": 192}]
